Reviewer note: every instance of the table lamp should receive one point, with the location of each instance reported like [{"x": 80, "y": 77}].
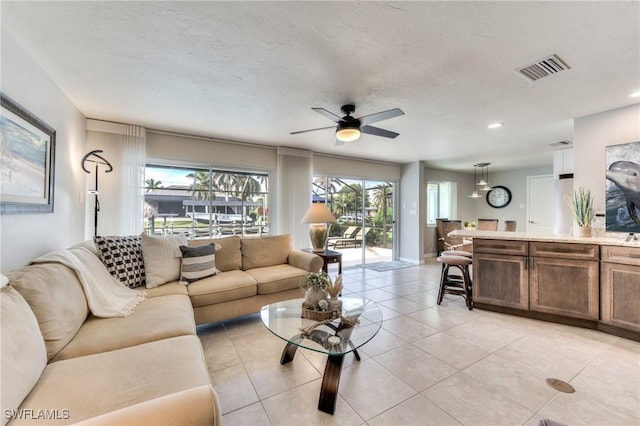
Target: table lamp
[{"x": 318, "y": 215}]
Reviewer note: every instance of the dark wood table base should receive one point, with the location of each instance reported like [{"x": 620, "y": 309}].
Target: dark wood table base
[{"x": 332, "y": 369}]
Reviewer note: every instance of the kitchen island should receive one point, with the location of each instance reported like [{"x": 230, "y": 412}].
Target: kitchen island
[{"x": 590, "y": 282}]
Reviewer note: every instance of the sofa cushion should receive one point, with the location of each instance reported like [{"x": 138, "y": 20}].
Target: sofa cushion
[
  {"x": 265, "y": 251},
  {"x": 154, "y": 319},
  {"x": 23, "y": 351},
  {"x": 161, "y": 258},
  {"x": 272, "y": 279},
  {"x": 169, "y": 288},
  {"x": 222, "y": 287},
  {"x": 123, "y": 258},
  {"x": 92, "y": 385},
  {"x": 198, "y": 262},
  {"x": 228, "y": 256},
  {"x": 55, "y": 296}
]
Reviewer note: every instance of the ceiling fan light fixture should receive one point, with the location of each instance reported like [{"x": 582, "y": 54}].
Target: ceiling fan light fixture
[{"x": 347, "y": 134}]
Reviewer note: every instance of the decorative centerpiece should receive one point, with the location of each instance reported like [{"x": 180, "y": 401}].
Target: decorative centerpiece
[
  {"x": 581, "y": 205},
  {"x": 316, "y": 305},
  {"x": 470, "y": 226}
]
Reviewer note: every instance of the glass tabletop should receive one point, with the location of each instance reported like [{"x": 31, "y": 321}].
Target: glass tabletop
[{"x": 337, "y": 337}]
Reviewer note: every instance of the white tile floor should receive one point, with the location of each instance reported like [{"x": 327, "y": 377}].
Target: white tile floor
[{"x": 429, "y": 365}]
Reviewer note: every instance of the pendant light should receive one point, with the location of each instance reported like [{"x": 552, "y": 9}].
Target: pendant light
[
  {"x": 486, "y": 186},
  {"x": 475, "y": 194}
]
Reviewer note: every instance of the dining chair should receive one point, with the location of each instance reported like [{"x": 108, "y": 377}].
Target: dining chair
[
  {"x": 510, "y": 225},
  {"x": 487, "y": 224}
]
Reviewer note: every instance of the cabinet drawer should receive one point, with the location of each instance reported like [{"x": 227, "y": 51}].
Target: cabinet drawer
[
  {"x": 508, "y": 247},
  {"x": 565, "y": 250},
  {"x": 623, "y": 255}
]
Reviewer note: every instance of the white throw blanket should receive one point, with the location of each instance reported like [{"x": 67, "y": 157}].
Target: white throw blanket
[{"x": 107, "y": 297}]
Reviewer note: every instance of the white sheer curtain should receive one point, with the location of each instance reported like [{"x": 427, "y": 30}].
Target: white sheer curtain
[
  {"x": 294, "y": 177},
  {"x": 132, "y": 184}
]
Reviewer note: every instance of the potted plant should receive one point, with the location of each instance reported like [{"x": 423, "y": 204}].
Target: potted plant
[
  {"x": 469, "y": 225},
  {"x": 581, "y": 205},
  {"x": 314, "y": 285}
]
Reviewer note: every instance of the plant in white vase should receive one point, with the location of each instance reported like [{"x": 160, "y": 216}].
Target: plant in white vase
[
  {"x": 581, "y": 205},
  {"x": 334, "y": 288},
  {"x": 314, "y": 285}
]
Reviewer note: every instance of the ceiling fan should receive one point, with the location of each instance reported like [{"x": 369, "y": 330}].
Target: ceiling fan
[{"x": 349, "y": 128}]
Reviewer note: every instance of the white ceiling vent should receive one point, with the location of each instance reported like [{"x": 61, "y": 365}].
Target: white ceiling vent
[
  {"x": 544, "y": 67},
  {"x": 561, "y": 144}
]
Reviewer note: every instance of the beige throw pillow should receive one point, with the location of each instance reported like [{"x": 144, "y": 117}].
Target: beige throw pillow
[
  {"x": 55, "y": 295},
  {"x": 162, "y": 258},
  {"x": 23, "y": 354}
]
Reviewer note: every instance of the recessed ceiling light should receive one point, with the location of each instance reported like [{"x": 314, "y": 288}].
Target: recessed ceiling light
[
  {"x": 635, "y": 95},
  {"x": 495, "y": 125}
]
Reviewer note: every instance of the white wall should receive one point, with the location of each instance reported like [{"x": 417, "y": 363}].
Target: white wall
[
  {"x": 23, "y": 237},
  {"x": 592, "y": 134},
  {"x": 412, "y": 212}
]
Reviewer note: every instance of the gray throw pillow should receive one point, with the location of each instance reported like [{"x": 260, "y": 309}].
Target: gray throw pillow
[{"x": 198, "y": 262}]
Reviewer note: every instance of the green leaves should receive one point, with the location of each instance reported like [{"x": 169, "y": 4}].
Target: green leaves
[{"x": 581, "y": 205}]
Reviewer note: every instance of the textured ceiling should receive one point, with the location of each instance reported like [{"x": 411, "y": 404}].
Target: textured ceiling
[{"x": 251, "y": 71}]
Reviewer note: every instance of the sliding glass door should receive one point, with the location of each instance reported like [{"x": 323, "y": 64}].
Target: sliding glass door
[{"x": 365, "y": 224}]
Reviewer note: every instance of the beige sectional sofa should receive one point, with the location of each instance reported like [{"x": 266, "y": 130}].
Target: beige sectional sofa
[{"x": 63, "y": 365}]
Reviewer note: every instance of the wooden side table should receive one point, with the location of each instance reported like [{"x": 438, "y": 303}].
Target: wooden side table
[{"x": 328, "y": 257}]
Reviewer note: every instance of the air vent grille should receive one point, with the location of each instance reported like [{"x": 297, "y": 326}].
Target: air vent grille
[
  {"x": 543, "y": 68},
  {"x": 561, "y": 144}
]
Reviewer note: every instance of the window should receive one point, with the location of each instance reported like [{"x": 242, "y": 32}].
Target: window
[
  {"x": 441, "y": 201},
  {"x": 205, "y": 202}
]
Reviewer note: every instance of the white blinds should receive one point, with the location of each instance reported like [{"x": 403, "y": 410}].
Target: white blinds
[
  {"x": 294, "y": 179},
  {"x": 132, "y": 180}
]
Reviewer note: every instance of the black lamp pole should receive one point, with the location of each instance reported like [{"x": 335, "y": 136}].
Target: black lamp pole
[{"x": 94, "y": 157}]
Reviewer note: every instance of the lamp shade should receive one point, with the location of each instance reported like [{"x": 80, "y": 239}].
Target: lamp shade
[
  {"x": 348, "y": 134},
  {"x": 318, "y": 213}
]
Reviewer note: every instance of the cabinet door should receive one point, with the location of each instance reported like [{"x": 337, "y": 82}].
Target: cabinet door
[
  {"x": 501, "y": 280},
  {"x": 566, "y": 287},
  {"x": 620, "y": 295}
]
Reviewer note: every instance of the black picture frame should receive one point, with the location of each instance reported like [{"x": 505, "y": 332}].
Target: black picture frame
[{"x": 27, "y": 160}]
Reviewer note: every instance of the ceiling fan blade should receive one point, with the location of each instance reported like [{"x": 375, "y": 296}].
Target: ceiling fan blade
[
  {"x": 339, "y": 142},
  {"x": 379, "y": 116},
  {"x": 378, "y": 132},
  {"x": 331, "y": 116},
  {"x": 312, "y": 130}
]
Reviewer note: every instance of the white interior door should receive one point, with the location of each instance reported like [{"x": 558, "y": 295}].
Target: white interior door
[{"x": 540, "y": 203}]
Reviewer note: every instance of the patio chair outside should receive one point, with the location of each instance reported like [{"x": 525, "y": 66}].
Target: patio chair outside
[{"x": 347, "y": 235}]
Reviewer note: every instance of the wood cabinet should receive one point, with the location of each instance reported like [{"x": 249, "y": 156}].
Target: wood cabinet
[
  {"x": 500, "y": 273},
  {"x": 620, "y": 287},
  {"x": 563, "y": 279}
]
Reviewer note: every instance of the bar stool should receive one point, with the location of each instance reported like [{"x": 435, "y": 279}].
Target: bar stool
[
  {"x": 455, "y": 284},
  {"x": 457, "y": 253}
]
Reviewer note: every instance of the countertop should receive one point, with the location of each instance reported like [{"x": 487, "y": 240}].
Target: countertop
[{"x": 609, "y": 239}]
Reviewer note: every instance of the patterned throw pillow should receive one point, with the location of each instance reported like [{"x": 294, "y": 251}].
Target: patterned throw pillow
[
  {"x": 198, "y": 262},
  {"x": 123, "y": 258}
]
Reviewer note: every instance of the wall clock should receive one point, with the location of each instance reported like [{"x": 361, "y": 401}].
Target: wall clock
[{"x": 499, "y": 196}]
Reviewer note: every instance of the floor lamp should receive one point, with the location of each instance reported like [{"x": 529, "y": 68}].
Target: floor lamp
[{"x": 95, "y": 157}]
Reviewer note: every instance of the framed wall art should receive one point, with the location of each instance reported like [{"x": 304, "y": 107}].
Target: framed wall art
[
  {"x": 623, "y": 188},
  {"x": 27, "y": 157}
]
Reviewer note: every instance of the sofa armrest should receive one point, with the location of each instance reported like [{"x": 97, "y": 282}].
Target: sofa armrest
[
  {"x": 196, "y": 406},
  {"x": 304, "y": 260}
]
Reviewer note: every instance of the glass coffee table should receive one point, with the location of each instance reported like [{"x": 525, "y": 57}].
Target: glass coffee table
[{"x": 335, "y": 338}]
